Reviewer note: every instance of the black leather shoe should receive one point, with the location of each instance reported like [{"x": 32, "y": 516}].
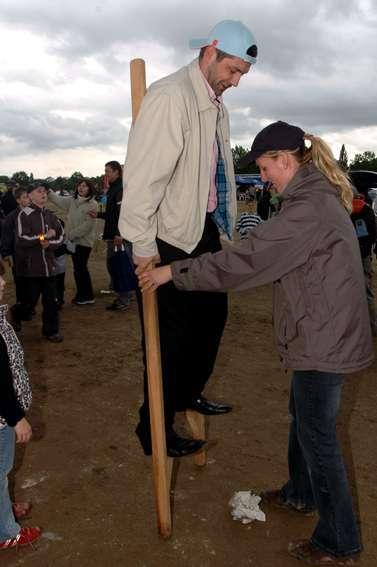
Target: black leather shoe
[
  {"x": 55, "y": 338},
  {"x": 206, "y": 407},
  {"x": 144, "y": 438},
  {"x": 180, "y": 446},
  {"x": 176, "y": 446}
]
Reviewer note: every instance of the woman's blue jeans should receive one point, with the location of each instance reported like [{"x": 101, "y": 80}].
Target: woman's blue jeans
[
  {"x": 318, "y": 478},
  {"x": 8, "y": 525}
]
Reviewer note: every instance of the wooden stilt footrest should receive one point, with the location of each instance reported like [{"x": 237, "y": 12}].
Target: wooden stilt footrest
[{"x": 197, "y": 424}]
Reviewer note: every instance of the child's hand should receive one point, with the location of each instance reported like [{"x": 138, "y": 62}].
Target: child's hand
[
  {"x": 149, "y": 280},
  {"x": 23, "y": 431},
  {"x": 51, "y": 233}
]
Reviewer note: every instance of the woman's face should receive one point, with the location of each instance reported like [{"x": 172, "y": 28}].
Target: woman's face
[
  {"x": 277, "y": 170},
  {"x": 83, "y": 189},
  {"x": 2, "y": 286}
]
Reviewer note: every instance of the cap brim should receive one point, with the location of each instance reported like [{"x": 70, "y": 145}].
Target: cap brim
[{"x": 198, "y": 43}]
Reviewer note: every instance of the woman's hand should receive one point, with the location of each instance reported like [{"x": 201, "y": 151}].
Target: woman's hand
[
  {"x": 23, "y": 431},
  {"x": 149, "y": 280}
]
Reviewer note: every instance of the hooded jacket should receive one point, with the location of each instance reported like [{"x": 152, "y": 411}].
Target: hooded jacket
[
  {"x": 31, "y": 259},
  {"x": 310, "y": 252}
]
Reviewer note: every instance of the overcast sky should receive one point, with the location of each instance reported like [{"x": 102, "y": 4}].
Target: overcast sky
[{"x": 64, "y": 73}]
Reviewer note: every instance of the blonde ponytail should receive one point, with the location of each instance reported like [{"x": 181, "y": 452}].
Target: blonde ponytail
[{"x": 322, "y": 157}]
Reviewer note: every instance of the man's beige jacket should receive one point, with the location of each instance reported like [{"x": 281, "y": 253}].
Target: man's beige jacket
[{"x": 167, "y": 170}]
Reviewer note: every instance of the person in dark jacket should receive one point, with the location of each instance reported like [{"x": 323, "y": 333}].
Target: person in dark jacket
[
  {"x": 7, "y": 247},
  {"x": 310, "y": 252},
  {"x": 38, "y": 233},
  {"x": 15, "y": 400},
  {"x": 111, "y": 234},
  {"x": 8, "y": 200},
  {"x": 364, "y": 221}
]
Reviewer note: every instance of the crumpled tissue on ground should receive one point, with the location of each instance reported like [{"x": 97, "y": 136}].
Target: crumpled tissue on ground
[{"x": 245, "y": 507}]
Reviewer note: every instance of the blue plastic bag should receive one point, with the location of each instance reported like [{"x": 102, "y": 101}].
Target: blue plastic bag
[{"x": 122, "y": 271}]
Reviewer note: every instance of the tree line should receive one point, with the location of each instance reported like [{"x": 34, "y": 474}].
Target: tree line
[{"x": 366, "y": 160}]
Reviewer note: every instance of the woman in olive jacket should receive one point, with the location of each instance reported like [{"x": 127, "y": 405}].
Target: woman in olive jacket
[
  {"x": 310, "y": 252},
  {"x": 80, "y": 229}
]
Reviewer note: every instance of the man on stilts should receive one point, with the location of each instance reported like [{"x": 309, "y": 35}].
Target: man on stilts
[{"x": 179, "y": 197}]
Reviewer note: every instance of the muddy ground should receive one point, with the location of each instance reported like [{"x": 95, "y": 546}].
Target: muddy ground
[{"x": 91, "y": 485}]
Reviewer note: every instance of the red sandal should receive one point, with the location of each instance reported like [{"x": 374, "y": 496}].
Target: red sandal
[{"x": 26, "y": 536}]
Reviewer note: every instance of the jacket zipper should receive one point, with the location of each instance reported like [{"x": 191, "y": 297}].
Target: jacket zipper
[{"x": 43, "y": 250}]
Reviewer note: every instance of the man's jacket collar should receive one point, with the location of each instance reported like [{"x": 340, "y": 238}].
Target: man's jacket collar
[{"x": 201, "y": 92}]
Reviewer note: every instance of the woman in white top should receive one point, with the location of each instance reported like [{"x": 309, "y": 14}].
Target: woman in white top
[{"x": 80, "y": 230}]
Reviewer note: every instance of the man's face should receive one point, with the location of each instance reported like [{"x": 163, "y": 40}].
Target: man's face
[
  {"x": 225, "y": 73},
  {"x": 38, "y": 196},
  {"x": 111, "y": 174},
  {"x": 23, "y": 200}
]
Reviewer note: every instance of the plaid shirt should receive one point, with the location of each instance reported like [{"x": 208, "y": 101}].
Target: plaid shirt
[{"x": 221, "y": 215}]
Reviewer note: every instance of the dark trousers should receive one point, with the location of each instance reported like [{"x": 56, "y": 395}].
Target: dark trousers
[
  {"x": 81, "y": 273},
  {"x": 20, "y": 285},
  {"x": 191, "y": 324},
  {"x": 60, "y": 287},
  {"x": 124, "y": 296},
  {"x": 317, "y": 475},
  {"x": 46, "y": 287}
]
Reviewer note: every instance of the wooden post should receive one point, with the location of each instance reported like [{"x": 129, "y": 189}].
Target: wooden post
[{"x": 162, "y": 466}]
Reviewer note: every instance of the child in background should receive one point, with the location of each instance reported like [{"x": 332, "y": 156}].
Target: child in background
[
  {"x": 39, "y": 233},
  {"x": 247, "y": 221},
  {"x": 15, "y": 400}
]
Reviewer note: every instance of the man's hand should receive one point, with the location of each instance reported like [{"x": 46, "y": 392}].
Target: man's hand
[
  {"x": 118, "y": 240},
  {"x": 92, "y": 213},
  {"x": 23, "y": 431},
  {"x": 51, "y": 233},
  {"x": 44, "y": 243}
]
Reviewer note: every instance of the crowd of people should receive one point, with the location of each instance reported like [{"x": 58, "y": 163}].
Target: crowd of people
[{"x": 179, "y": 200}]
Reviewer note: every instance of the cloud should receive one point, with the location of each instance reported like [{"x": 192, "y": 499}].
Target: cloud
[{"x": 64, "y": 69}]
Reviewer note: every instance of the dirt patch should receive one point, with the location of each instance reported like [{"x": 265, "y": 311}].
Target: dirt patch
[{"x": 91, "y": 485}]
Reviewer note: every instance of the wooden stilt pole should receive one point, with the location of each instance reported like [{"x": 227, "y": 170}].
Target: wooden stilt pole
[{"x": 162, "y": 465}]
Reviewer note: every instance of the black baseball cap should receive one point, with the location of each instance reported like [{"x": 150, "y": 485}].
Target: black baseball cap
[{"x": 275, "y": 137}]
